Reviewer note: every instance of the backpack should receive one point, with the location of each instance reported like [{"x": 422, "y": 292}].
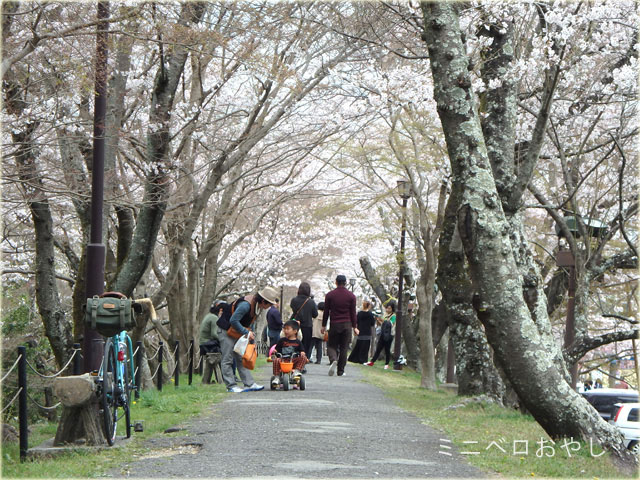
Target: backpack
[
  {"x": 385, "y": 330},
  {"x": 224, "y": 321}
]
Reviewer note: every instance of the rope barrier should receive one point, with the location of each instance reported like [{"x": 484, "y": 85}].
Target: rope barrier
[
  {"x": 175, "y": 350},
  {"x": 42, "y": 407},
  {"x": 12, "y": 400},
  {"x": 135, "y": 352},
  {"x": 154, "y": 355},
  {"x": 156, "y": 372},
  {"x": 11, "y": 369},
  {"x": 199, "y": 362},
  {"x": 75, "y": 351},
  {"x": 135, "y": 372}
]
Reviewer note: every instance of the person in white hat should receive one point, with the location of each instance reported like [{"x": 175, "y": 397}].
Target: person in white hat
[{"x": 245, "y": 311}]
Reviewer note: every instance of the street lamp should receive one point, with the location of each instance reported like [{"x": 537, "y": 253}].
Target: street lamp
[
  {"x": 404, "y": 190},
  {"x": 352, "y": 283},
  {"x": 565, "y": 258}
]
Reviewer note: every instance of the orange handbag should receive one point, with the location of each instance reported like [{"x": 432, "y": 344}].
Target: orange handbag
[{"x": 250, "y": 356}]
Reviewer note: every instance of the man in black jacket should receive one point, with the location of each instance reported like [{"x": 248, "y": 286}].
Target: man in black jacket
[{"x": 340, "y": 307}]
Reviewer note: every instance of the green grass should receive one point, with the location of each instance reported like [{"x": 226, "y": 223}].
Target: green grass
[
  {"x": 158, "y": 410},
  {"x": 487, "y": 423}
]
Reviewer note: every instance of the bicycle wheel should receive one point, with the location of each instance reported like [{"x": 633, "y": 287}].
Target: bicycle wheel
[{"x": 109, "y": 399}]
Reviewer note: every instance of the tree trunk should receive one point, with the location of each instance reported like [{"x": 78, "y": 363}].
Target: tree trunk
[
  {"x": 484, "y": 231},
  {"x": 424, "y": 295},
  {"x": 475, "y": 371},
  {"x": 158, "y": 139},
  {"x": 56, "y": 325}
]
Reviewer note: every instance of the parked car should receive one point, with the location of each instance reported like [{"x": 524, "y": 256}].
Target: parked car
[
  {"x": 604, "y": 399},
  {"x": 626, "y": 419}
]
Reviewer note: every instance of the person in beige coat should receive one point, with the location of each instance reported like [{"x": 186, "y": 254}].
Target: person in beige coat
[{"x": 317, "y": 340}]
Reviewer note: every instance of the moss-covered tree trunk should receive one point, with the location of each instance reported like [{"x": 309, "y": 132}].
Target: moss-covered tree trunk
[
  {"x": 475, "y": 370},
  {"x": 499, "y": 301}
]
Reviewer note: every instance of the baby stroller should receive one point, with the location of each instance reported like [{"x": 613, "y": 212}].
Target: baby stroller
[{"x": 286, "y": 379}]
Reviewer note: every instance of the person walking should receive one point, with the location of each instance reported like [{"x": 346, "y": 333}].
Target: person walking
[
  {"x": 245, "y": 312},
  {"x": 304, "y": 310},
  {"x": 274, "y": 324},
  {"x": 317, "y": 337},
  {"x": 385, "y": 339},
  {"x": 366, "y": 322},
  {"x": 340, "y": 306}
]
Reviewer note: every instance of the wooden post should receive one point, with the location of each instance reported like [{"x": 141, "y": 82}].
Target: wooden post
[{"x": 80, "y": 417}]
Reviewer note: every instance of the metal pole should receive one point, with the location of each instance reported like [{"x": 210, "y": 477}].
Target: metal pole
[
  {"x": 398, "y": 346},
  {"x": 635, "y": 362},
  {"x": 139, "y": 353},
  {"x": 160, "y": 351},
  {"x": 77, "y": 365},
  {"x": 191, "y": 361},
  {"x": 96, "y": 249},
  {"x": 176, "y": 372},
  {"x": 22, "y": 403},
  {"x": 281, "y": 298},
  {"x": 570, "y": 331}
]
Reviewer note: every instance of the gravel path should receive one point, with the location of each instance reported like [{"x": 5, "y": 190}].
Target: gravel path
[{"x": 339, "y": 427}]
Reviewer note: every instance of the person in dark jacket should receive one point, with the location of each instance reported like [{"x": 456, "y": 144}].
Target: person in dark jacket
[
  {"x": 340, "y": 305},
  {"x": 304, "y": 310},
  {"x": 366, "y": 322},
  {"x": 274, "y": 324}
]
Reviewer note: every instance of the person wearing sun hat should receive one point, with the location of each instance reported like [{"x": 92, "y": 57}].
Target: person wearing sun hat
[{"x": 245, "y": 312}]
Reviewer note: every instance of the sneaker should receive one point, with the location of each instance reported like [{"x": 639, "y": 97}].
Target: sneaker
[
  {"x": 254, "y": 388},
  {"x": 275, "y": 381},
  {"x": 235, "y": 389},
  {"x": 342, "y": 374},
  {"x": 333, "y": 368},
  {"x": 386, "y": 367},
  {"x": 369, "y": 364},
  {"x": 296, "y": 373}
]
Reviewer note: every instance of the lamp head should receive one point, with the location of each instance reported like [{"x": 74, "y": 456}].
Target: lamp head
[{"x": 404, "y": 189}]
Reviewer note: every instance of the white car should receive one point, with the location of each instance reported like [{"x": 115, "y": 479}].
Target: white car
[{"x": 626, "y": 419}]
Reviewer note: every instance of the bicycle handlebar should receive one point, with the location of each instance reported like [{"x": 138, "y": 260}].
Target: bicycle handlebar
[{"x": 149, "y": 304}]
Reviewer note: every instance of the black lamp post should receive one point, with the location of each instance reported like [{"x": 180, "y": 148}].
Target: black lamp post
[
  {"x": 352, "y": 283},
  {"x": 565, "y": 258},
  {"x": 404, "y": 190},
  {"x": 96, "y": 249}
]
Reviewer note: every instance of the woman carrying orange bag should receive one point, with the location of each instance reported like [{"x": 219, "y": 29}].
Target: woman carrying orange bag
[{"x": 243, "y": 316}]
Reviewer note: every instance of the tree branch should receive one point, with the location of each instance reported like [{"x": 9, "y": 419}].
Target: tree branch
[{"x": 580, "y": 348}]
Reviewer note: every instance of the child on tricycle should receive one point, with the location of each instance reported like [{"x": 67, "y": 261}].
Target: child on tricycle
[{"x": 288, "y": 359}]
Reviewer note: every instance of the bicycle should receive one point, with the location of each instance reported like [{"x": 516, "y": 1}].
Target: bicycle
[
  {"x": 116, "y": 378},
  {"x": 118, "y": 382}
]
